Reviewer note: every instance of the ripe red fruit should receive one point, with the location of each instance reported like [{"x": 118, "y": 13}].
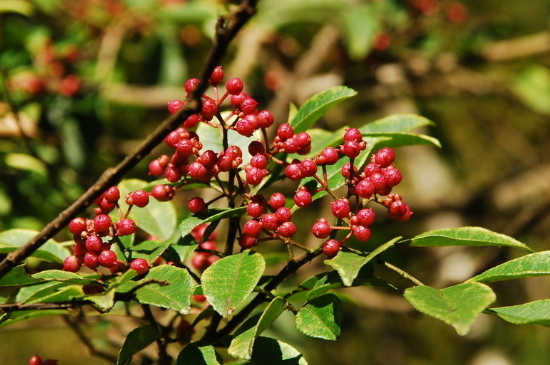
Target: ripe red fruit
[
  {"x": 72, "y": 264},
  {"x": 140, "y": 198},
  {"x": 252, "y": 228},
  {"x": 119, "y": 266},
  {"x": 365, "y": 188},
  {"x": 255, "y": 209},
  {"x": 276, "y": 201},
  {"x": 246, "y": 241},
  {"x": 200, "y": 261},
  {"x": 269, "y": 221},
  {"x": 353, "y": 134},
  {"x": 126, "y": 227},
  {"x": 90, "y": 260},
  {"x": 246, "y": 126},
  {"x": 254, "y": 175},
  {"x": 331, "y": 248},
  {"x": 163, "y": 192},
  {"x": 293, "y": 171},
  {"x": 112, "y": 194},
  {"x": 35, "y": 360},
  {"x": 77, "y": 225},
  {"x": 330, "y": 155},
  {"x": 285, "y": 131},
  {"x": 340, "y": 208},
  {"x": 283, "y": 214},
  {"x": 93, "y": 243},
  {"x": 234, "y": 86},
  {"x": 302, "y": 198},
  {"x": 140, "y": 266},
  {"x": 287, "y": 229},
  {"x": 248, "y": 106},
  {"x": 362, "y": 233},
  {"x": 209, "y": 109},
  {"x": 217, "y": 76},
  {"x": 384, "y": 157},
  {"x": 174, "y": 106},
  {"x": 265, "y": 119},
  {"x": 191, "y": 85},
  {"x": 321, "y": 228},
  {"x": 102, "y": 223},
  {"x": 259, "y": 161},
  {"x": 196, "y": 205},
  {"x": 107, "y": 258},
  {"x": 309, "y": 167},
  {"x": 364, "y": 217},
  {"x": 196, "y": 170}
]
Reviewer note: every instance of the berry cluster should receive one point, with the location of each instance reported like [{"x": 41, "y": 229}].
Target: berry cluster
[
  {"x": 94, "y": 237},
  {"x": 205, "y": 255}
]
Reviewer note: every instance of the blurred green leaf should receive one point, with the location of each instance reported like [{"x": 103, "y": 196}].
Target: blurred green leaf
[
  {"x": 396, "y": 123},
  {"x": 212, "y": 215},
  {"x": 7, "y": 319},
  {"x": 457, "y": 305},
  {"x": 138, "y": 339},
  {"x": 537, "y": 312},
  {"x": 17, "y": 276},
  {"x": 532, "y": 86},
  {"x": 14, "y": 238},
  {"x": 360, "y": 23},
  {"x": 229, "y": 281}
]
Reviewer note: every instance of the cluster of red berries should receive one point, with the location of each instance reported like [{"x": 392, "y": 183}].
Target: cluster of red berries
[
  {"x": 204, "y": 256},
  {"x": 94, "y": 237},
  {"x": 36, "y": 360}
]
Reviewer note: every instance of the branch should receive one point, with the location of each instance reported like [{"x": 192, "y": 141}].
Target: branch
[{"x": 226, "y": 29}]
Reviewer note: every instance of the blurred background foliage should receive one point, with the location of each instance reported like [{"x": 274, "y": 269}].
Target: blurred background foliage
[{"x": 82, "y": 82}]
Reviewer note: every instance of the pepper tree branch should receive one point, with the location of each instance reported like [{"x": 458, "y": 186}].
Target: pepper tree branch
[{"x": 226, "y": 29}]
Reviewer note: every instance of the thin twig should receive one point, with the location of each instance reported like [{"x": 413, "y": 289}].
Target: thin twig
[{"x": 88, "y": 342}]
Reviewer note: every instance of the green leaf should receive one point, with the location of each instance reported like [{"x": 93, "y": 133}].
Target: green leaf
[
  {"x": 537, "y": 312},
  {"x": 379, "y": 140},
  {"x": 268, "y": 351},
  {"x": 320, "y": 317},
  {"x": 360, "y": 23},
  {"x": 243, "y": 342},
  {"x": 528, "y": 266},
  {"x": 227, "y": 282},
  {"x": 17, "y": 276},
  {"x": 395, "y": 123},
  {"x": 150, "y": 249},
  {"x": 157, "y": 218},
  {"x": 457, "y": 305},
  {"x": 25, "y": 315},
  {"x": 63, "y": 276},
  {"x": 171, "y": 287},
  {"x": 138, "y": 339},
  {"x": 211, "y": 139},
  {"x": 48, "y": 292},
  {"x": 317, "y": 105},
  {"x": 532, "y": 86},
  {"x": 196, "y": 354},
  {"x": 465, "y": 236},
  {"x": 103, "y": 301},
  {"x": 212, "y": 215},
  {"x": 14, "y": 238},
  {"x": 348, "y": 264}
]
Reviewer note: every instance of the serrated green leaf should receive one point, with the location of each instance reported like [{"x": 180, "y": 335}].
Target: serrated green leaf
[
  {"x": 212, "y": 215},
  {"x": 317, "y": 105},
  {"x": 243, "y": 341},
  {"x": 401, "y": 139},
  {"x": 43, "y": 293},
  {"x": 171, "y": 288},
  {"x": 50, "y": 251},
  {"x": 104, "y": 301},
  {"x": 196, "y": 354},
  {"x": 268, "y": 351},
  {"x": 227, "y": 282},
  {"x": 63, "y": 276},
  {"x": 150, "y": 249},
  {"x": 25, "y": 315},
  {"x": 465, "y": 236},
  {"x": 457, "y": 305},
  {"x": 138, "y": 339},
  {"x": 157, "y": 218},
  {"x": 321, "y": 317},
  {"x": 528, "y": 266},
  {"x": 537, "y": 312},
  {"x": 16, "y": 277},
  {"x": 395, "y": 123},
  {"x": 348, "y": 264}
]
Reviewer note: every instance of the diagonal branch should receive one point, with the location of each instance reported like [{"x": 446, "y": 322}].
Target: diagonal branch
[{"x": 226, "y": 29}]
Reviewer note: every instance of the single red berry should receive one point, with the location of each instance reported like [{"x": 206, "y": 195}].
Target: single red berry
[
  {"x": 102, "y": 223},
  {"x": 371, "y": 168},
  {"x": 285, "y": 131},
  {"x": 246, "y": 126},
  {"x": 254, "y": 175},
  {"x": 246, "y": 241},
  {"x": 270, "y": 221},
  {"x": 196, "y": 170},
  {"x": 252, "y": 228},
  {"x": 255, "y": 209},
  {"x": 217, "y": 76},
  {"x": 35, "y": 360},
  {"x": 174, "y": 106},
  {"x": 331, "y": 155},
  {"x": 265, "y": 119},
  {"x": 112, "y": 194},
  {"x": 209, "y": 245},
  {"x": 140, "y": 266},
  {"x": 331, "y": 248},
  {"x": 72, "y": 264},
  {"x": 234, "y": 86},
  {"x": 321, "y": 228},
  {"x": 303, "y": 139},
  {"x": 276, "y": 201},
  {"x": 200, "y": 261},
  {"x": 237, "y": 99},
  {"x": 107, "y": 258},
  {"x": 256, "y": 147},
  {"x": 302, "y": 198},
  {"x": 290, "y": 145},
  {"x": 378, "y": 180},
  {"x": 91, "y": 260},
  {"x": 140, "y": 198},
  {"x": 309, "y": 167},
  {"x": 126, "y": 227},
  {"x": 209, "y": 109},
  {"x": 340, "y": 208},
  {"x": 293, "y": 171},
  {"x": 352, "y": 149},
  {"x": 365, "y": 188},
  {"x": 119, "y": 266},
  {"x": 392, "y": 176},
  {"x": 347, "y": 169},
  {"x": 79, "y": 249},
  {"x": 364, "y": 217},
  {"x": 384, "y": 157},
  {"x": 353, "y": 134},
  {"x": 248, "y": 106},
  {"x": 172, "y": 173},
  {"x": 287, "y": 229},
  {"x": 196, "y": 205},
  {"x": 362, "y": 233},
  {"x": 77, "y": 226},
  {"x": 191, "y": 121},
  {"x": 259, "y": 161},
  {"x": 283, "y": 214},
  {"x": 157, "y": 167},
  {"x": 191, "y": 85},
  {"x": 93, "y": 243},
  {"x": 163, "y": 192}
]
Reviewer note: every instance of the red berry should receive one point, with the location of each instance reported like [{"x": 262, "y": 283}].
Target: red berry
[
  {"x": 246, "y": 126},
  {"x": 140, "y": 266},
  {"x": 270, "y": 221},
  {"x": 107, "y": 258},
  {"x": 340, "y": 208},
  {"x": 248, "y": 106},
  {"x": 197, "y": 170},
  {"x": 290, "y": 145},
  {"x": 72, "y": 264},
  {"x": 172, "y": 173},
  {"x": 371, "y": 168},
  {"x": 234, "y": 86},
  {"x": 93, "y": 243},
  {"x": 217, "y": 76},
  {"x": 35, "y": 360},
  {"x": 259, "y": 161},
  {"x": 246, "y": 241},
  {"x": 254, "y": 175},
  {"x": 209, "y": 245},
  {"x": 77, "y": 226},
  {"x": 158, "y": 166},
  {"x": 378, "y": 181},
  {"x": 321, "y": 228},
  {"x": 276, "y": 201},
  {"x": 252, "y": 228},
  {"x": 90, "y": 260},
  {"x": 353, "y": 134},
  {"x": 265, "y": 119},
  {"x": 191, "y": 85},
  {"x": 347, "y": 169},
  {"x": 237, "y": 99},
  {"x": 79, "y": 249},
  {"x": 365, "y": 188},
  {"x": 293, "y": 171},
  {"x": 302, "y": 198},
  {"x": 365, "y": 217},
  {"x": 196, "y": 205},
  {"x": 119, "y": 266},
  {"x": 351, "y": 149},
  {"x": 163, "y": 192},
  {"x": 283, "y": 214},
  {"x": 331, "y": 248},
  {"x": 112, "y": 194},
  {"x": 200, "y": 261},
  {"x": 384, "y": 157},
  {"x": 256, "y": 147},
  {"x": 140, "y": 198},
  {"x": 287, "y": 229},
  {"x": 309, "y": 167},
  {"x": 362, "y": 233},
  {"x": 191, "y": 121},
  {"x": 392, "y": 176},
  {"x": 126, "y": 227},
  {"x": 209, "y": 109},
  {"x": 102, "y": 223},
  {"x": 331, "y": 155},
  {"x": 174, "y": 106},
  {"x": 285, "y": 131},
  {"x": 255, "y": 209}
]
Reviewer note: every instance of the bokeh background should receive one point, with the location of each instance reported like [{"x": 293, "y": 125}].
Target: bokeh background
[{"x": 84, "y": 81}]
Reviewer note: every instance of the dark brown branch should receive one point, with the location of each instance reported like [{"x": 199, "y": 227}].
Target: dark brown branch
[
  {"x": 87, "y": 342},
  {"x": 226, "y": 29}
]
